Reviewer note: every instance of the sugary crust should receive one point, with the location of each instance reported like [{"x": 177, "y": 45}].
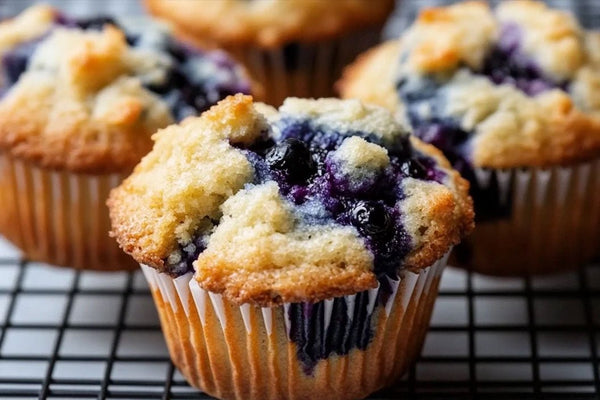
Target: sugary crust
[
  {"x": 551, "y": 37},
  {"x": 261, "y": 251},
  {"x": 268, "y": 23},
  {"x": 436, "y": 216},
  {"x": 259, "y": 254},
  {"x": 28, "y": 25},
  {"x": 76, "y": 109},
  {"x": 552, "y": 131},
  {"x": 443, "y": 38},
  {"x": 81, "y": 104},
  {"x": 159, "y": 204},
  {"x": 511, "y": 129}
]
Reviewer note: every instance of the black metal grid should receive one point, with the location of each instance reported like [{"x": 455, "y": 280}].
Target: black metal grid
[{"x": 69, "y": 334}]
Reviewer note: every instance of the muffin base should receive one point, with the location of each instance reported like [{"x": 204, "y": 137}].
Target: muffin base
[
  {"x": 303, "y": 69},
  {"x": 59, "y": 217},
  {"x": 554, "y": 223},
  {"x": 244, "y": 352}
]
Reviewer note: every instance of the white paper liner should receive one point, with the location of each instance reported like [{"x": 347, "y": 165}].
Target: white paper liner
[
  {"x": 59, "y": 217},
  {"x": 554, "y": 221},
  {"x": 318, "y": 65},
  {"x": 228, "y": 334}
]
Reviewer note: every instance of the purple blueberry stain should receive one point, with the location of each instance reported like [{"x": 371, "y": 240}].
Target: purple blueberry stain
[
  {"x": 315, "y": 341},
  {"x": 181, "y": 260},
  {"x": 193, "y": 82},
  {"x": 508, "y": 64},
  {"x": 15, "y": 61},
  {"x": 425, "y": 101},
  {"x": 303, "y": 161}
]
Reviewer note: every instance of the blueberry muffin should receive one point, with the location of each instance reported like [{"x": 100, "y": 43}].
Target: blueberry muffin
[
  {"x": 79, "y": 101},
  {"x": 292, "y": 47},
  {"x": 292, "y": 253},
  {"x": 511, "y": 96}
]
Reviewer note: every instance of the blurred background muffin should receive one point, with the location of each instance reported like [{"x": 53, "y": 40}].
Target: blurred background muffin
[
  {"x": 79, "y": 101},
  {"x": 512, "y": 97},
  {"x": 292, "y": 47}
]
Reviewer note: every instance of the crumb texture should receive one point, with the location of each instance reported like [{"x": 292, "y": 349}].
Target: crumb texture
[
  {"x": 518, "y": 86},
  {"x": 319, "y": 199},
  {"x": 87, "y": 94},
  {"x": 267, "y": 23}
]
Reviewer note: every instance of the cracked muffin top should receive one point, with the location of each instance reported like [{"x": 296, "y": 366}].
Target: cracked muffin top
[
  {"x": 268, "y": 23},
  {"x": 86, "y": 95},
  {"x": 320, "y": 198},
  {"x": 518, "y": 86}
]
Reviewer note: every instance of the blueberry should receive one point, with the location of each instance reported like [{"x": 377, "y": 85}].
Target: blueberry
[
  {"x": 293, "y": 158},
  {"x": 14, "y": 64},
  {"x": 177, "y": 51},
  {"x": 414, "y": 169},
  {"x": 173, "y": 80},
  {"x": 96, "y": 23},
  {"x": 371, "y": 218}
]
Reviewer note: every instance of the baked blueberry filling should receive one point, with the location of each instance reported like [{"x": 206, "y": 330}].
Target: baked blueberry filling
[
  {"x": 192, "y": 81},
  {"x": 347, "y": 329},
  {"x": 180, "y": 261},
  {"x": 14, "y": 63},
  {"x": 303, "y": 162},
  {"x": 307, "y": 163},
  {"x": 507, "y": 64},
  {"x": 344, "y": 333},
  {"x": 196, "y": 80},
  {"x": 453, "y": 141},
  {"x": 425, "y": 98}
]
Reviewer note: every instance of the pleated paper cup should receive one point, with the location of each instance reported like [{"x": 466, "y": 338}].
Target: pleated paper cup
[
  {"x": 552, "y": 222},
  {"x": 59, "y": 217},
  {"x": 248, "y": 352},
  {"x": 303, "y": 69}
]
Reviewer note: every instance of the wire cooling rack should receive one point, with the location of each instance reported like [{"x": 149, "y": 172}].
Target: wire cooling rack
[{"x": 69, "y": 334}]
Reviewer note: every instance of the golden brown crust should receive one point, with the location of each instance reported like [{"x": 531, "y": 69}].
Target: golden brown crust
[
  {"x": 28, "y": 25},
  {"x": 526, "y": 132},
  {"x": 287, "y": 285},
  {"x": 449, "y": 215},
  {"x": 261, "y": 251},
  {"x": 569, "y": 136},
  {"x": 442, "y": 38},
  {"x": 150, "y": 207},
  {"x": 369, "y": 77},
  {"x": 56, "y": 117},
  {"x": 268, "y": 23},
  {"x": 83, "y": 103},
  {"x": 67, "y": 141}
]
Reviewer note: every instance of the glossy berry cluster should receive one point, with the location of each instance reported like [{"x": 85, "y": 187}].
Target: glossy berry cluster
[{"x": 303, "y": 163}]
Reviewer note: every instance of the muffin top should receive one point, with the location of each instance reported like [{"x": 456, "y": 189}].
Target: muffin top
[
  {"x": 320, "y": 198},
  {"x": 268, "y": 23},
  {"x": 86, "y": 95},
  {"x": 515, "y": 87}
]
